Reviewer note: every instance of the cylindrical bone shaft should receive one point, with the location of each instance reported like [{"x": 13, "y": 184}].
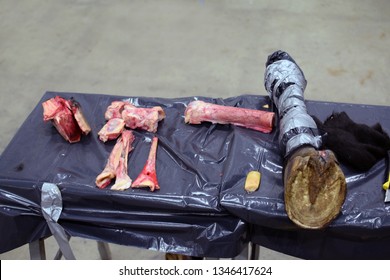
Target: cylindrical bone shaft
[
  {"x": 119, "y": 153},
  {"x": 200, "y": 111},
  {"x": 123, "y": 180}
]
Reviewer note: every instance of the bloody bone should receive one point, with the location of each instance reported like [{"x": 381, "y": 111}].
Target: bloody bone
[
  {"x": 117, "y": 164},
  {"x": 148, "y": 175},
  {"x": 67, "y": 117},
  {"x": 142, "y": 118},
  {"x": 115, "y": 110},
  {"x": 135, "y": 117},
  {"x": 123, "y": 181},
  {"x": 56, "y": 110},
  {"x": 79, "y": 116},
  {"x": 112, "y": 129},
  {"x": 199, "y": 111}
]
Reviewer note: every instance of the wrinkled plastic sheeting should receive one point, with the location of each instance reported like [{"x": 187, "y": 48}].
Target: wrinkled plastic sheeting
[
  {"x": 219, "y": 236},
  {"x": 203, "y": 235},
  {"x": 363, "y": 214},
  {"x": 201, "y": 170},
  {"x": 191, "y": 160},
  {"x": 21, "y": 219}
]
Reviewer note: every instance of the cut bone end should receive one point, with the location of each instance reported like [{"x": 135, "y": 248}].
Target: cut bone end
[
  {"x": 104, "y": 179},
  {"x": 160, "y": 111},
  {"x": 315, "y": 188},
  {"x": 193, "y": 110},
  {"x": 67, "y": 127},
  {"x": 144, "y": 181},
  {"x": 122, "y": 184},
  {"x": 115, "y": 109},
  {"x": 51, "y": 107},
  {"x": 112, "y": 129},
  {"x": 143, "y": 118},
  {"x": 79, "y": 116},
  {"x": 148, "y": 175},
  {"x": 123, "y": 181}
]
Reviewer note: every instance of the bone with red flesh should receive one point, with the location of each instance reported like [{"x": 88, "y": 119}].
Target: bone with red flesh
[
  {"x": 112, "y": 129},
  {"x": 66, "y": 125},
  {"x": 142, "y": 118},
  {"x": 57, "y": 110},
  {"x": 148, "y": 175},
  {"x": 115, "y": 109},
  {"x": 117, "y": 161},
  {"x": 108, "y": 173},
  {"x": 200, "y": 111},
  {"x": 79, "y": 116},
  {"x": 53, "y": 106},
  {"x": 123, "y": 181}
]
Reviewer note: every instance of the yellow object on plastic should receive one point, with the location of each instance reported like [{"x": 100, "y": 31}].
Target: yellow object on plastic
[
  {"x": 252, "y": 182},
  {"x": 386, "y": 185}
]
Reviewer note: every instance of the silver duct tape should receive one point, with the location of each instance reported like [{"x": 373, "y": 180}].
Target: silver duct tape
[
  {"x": 302, "y": 139},
  {"x": 285, "y": 84},
  {"x": 51, "y": 204},
  {"x": 51, "y": 201},
  {"x": 283, "y": 71},
  {"x": 296, "y": 118},
  {"x": 298, "y": 128},
  {"x": 292, "y": 97}
]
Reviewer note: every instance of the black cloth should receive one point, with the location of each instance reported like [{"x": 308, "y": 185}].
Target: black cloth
[{"x": 355, "y": 144}]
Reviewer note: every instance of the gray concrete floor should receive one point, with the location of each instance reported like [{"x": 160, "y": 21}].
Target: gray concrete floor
[{"x": 184, "y": 48}]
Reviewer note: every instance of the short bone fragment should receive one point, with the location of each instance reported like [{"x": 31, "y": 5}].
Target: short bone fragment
[
  {"x": 112, "y": 129},
  {"x": 67, "y": 118}
]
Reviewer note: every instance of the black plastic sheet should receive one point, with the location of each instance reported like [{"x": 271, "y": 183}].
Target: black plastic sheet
[
  {"x": 184, "y": 216},
  {"x": 197, "y": 234},
  {"x": 202, "y": 208}
]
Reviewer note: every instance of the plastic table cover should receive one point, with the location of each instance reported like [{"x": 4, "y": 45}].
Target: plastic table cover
[
  {"x": 184, "y": 216},
  {"x": 362, "y": 230},
  {"x": 201, "y": 171}
]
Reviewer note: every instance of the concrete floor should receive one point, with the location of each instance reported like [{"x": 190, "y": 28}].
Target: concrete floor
[{"x": 184, "y": 48}]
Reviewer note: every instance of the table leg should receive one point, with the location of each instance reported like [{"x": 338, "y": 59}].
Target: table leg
[
  {"x": 59, "y": 254},
  {"x": 37, "y": 250},
  {"x": 254, "y": 251},
  {"x": 104, "y": 250}
]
